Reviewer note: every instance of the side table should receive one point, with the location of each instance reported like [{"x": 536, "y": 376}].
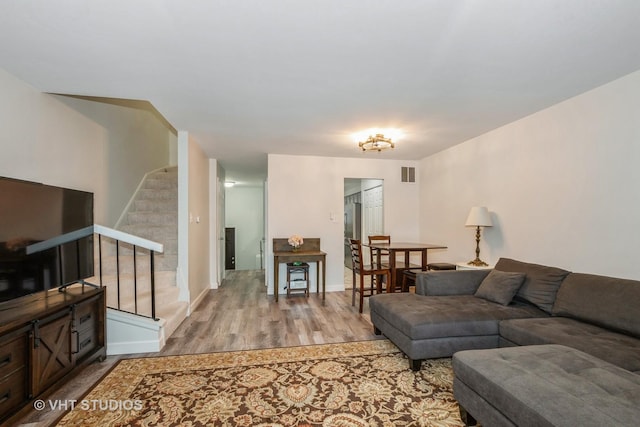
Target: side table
[{"x": 464, "y": 266}]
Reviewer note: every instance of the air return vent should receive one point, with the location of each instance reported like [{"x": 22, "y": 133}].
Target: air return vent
[{"x": 408, "y": 174}]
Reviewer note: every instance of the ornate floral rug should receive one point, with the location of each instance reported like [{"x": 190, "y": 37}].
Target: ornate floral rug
[{"x": 365, "y": 383}]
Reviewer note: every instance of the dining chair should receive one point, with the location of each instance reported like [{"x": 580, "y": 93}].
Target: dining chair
[
  {"x": 384, "y": 254},
  {"x": 374, "y": 271}
]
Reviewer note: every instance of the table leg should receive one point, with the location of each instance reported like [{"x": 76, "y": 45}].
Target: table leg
[
  {"x": 324, "y": 277},
  {"x": 424, "y": 260},
  {"x": 317, "y": 277},
  {"x": 392, "y": 266},
  {"x": 276, "y": 273}
]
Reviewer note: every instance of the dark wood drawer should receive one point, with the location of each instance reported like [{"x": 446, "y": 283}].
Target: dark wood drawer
[
  {"x": 13, "y": 391},
  {"x": 86, "y": 315},
  {"x": 12, "y": 355}
]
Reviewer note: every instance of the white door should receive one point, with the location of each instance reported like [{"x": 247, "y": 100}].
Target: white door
[{"x": 373, "y": 207}]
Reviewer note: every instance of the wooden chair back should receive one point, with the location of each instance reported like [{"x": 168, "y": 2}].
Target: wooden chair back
[
  {"x": 384, "y": 255},
  {"x": 356, "y": 255}
]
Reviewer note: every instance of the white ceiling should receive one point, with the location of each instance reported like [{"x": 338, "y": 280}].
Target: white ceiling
[{"x": 251, "y": 77}]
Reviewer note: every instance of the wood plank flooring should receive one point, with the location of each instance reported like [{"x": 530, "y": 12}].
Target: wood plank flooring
[{"x": 238, "y": 316}]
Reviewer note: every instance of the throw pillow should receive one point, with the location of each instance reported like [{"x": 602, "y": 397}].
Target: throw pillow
[
  {"x": 541, "y": 284},
  {"x": 500, "y": 286}
]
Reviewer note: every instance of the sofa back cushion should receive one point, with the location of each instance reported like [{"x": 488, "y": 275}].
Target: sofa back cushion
[
  {"x": 541, "y": 284},
  {"x": 605, "y": 301}
]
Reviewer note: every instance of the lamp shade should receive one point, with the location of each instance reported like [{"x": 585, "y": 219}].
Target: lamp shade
[{"x": 479, "y": 217}]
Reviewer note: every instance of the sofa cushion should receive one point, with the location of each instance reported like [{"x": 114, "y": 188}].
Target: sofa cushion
[
  {"x": 606, "y": 301},
  {"x": 426, "y": 317},
  {"x": 547, "y": 385},
  {"x": 449, "y": 282},
  {"x": 500, "y": 286},
  {"x": 619, "y": 349},
  {"x": 541, "y": 284}
]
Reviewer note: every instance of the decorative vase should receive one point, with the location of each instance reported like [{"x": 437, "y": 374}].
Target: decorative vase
[{"x": 295, "y": 248}]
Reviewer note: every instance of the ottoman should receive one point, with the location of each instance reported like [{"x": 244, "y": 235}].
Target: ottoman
[{"x": 544, "y": 385}]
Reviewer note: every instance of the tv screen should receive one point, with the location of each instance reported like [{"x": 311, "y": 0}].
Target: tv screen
[{"x": 46, "y": 238}]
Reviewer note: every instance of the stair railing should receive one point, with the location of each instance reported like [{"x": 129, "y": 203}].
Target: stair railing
[{"x": 136, "y": 242}]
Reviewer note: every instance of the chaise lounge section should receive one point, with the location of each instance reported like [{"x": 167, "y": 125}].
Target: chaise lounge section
[{"x": 450, "y": 312}]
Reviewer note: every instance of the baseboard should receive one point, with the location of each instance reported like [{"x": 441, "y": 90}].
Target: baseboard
[{"x": 197, "y": 301}]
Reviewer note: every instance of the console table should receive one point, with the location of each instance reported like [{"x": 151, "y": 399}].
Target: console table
[
  {"x": 44, "y": 339},
  {"x": 308, "y": 252}
]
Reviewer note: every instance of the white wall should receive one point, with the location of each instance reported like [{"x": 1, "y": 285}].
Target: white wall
[
  {"x": 44, "y": 140},
  {"x": 562, "y": 186},
  {"x": 193, "y": 220},
  {"x": 244, "y": 212},
  {"x": 306, "y": 197}
]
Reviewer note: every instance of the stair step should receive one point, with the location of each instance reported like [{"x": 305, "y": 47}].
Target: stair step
[
  {"x": 166, "y": 205},
  {"x": 170, "y": 247},
  {"x": 158, "y": 194},
  {"x": 156, "y": 233},
  {"x": 162, "y": 263},
  {"x": 160, "y": 182},
  {"x": 152, "y": 218}
]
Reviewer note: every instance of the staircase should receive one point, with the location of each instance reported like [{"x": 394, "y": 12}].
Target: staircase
[{"x": 153, "y": 215}]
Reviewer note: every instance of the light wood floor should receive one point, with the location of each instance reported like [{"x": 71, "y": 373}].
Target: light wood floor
[{"x": 239, "y": 316}]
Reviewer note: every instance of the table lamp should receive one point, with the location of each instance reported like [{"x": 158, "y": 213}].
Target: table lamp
[{"x": 478, "y": 217}]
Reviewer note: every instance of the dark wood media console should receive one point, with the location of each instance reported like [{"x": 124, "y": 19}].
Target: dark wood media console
[{"x": 44, "y": 338}]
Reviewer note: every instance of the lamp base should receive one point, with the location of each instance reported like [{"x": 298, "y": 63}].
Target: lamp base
[{"x": 478, "y": 263}]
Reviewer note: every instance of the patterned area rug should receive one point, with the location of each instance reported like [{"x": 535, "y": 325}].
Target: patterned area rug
[{"x": 366, "y": 383}]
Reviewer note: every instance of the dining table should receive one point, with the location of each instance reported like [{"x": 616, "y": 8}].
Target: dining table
[{"x": 406, "y": 248}]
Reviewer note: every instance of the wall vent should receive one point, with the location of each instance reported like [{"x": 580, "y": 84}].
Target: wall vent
[{"x": 408, "y": 174}]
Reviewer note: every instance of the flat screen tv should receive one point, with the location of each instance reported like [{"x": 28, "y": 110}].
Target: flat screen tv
[{"x": 46, "y": 238}]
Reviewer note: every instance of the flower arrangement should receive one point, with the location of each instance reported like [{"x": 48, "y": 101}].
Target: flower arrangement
[{"x": 295, "y": 241}]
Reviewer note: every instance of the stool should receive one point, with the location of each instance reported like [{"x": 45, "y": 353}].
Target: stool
[
  {"x": 409, "y": 279},
  {"x": 437, "y": 266},
  {"x": 298, "y": 268}
]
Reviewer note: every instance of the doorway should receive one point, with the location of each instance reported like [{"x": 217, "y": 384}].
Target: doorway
[
  {"x": 363, "y": 216},
  {"x": 230, "y": 248}
]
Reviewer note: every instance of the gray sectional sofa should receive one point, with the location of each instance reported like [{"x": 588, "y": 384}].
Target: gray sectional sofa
[{"x": 565, "y": 316}]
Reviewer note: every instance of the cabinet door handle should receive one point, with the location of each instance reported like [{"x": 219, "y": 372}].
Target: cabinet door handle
[
  {"x": 36, "y": 334},
  {"x": 77, "y": 350},
  {"x": 5, "y": 397},
  {"x": 5, "y": 360}
]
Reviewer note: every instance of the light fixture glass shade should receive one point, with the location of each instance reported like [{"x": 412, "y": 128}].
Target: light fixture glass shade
[
  {"x": 479, "y": 217},
  {"x": 377, "y": 142}
]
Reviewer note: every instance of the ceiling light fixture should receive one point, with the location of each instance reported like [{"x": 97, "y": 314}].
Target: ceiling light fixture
[
  {"x": 376, "y": 142},
  {"x": 377, "y": 139}
]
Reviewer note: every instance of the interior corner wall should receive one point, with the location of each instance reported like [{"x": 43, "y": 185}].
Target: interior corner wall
[
  {"x": 244, "y": 212},
  {"x": 138, "y": 143},
  {"x": 44, "y": 140},
  {"x": 306, "y": 197},
  {"x": 561, "y": 184},
  {"x": 79, "y": 144}
]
